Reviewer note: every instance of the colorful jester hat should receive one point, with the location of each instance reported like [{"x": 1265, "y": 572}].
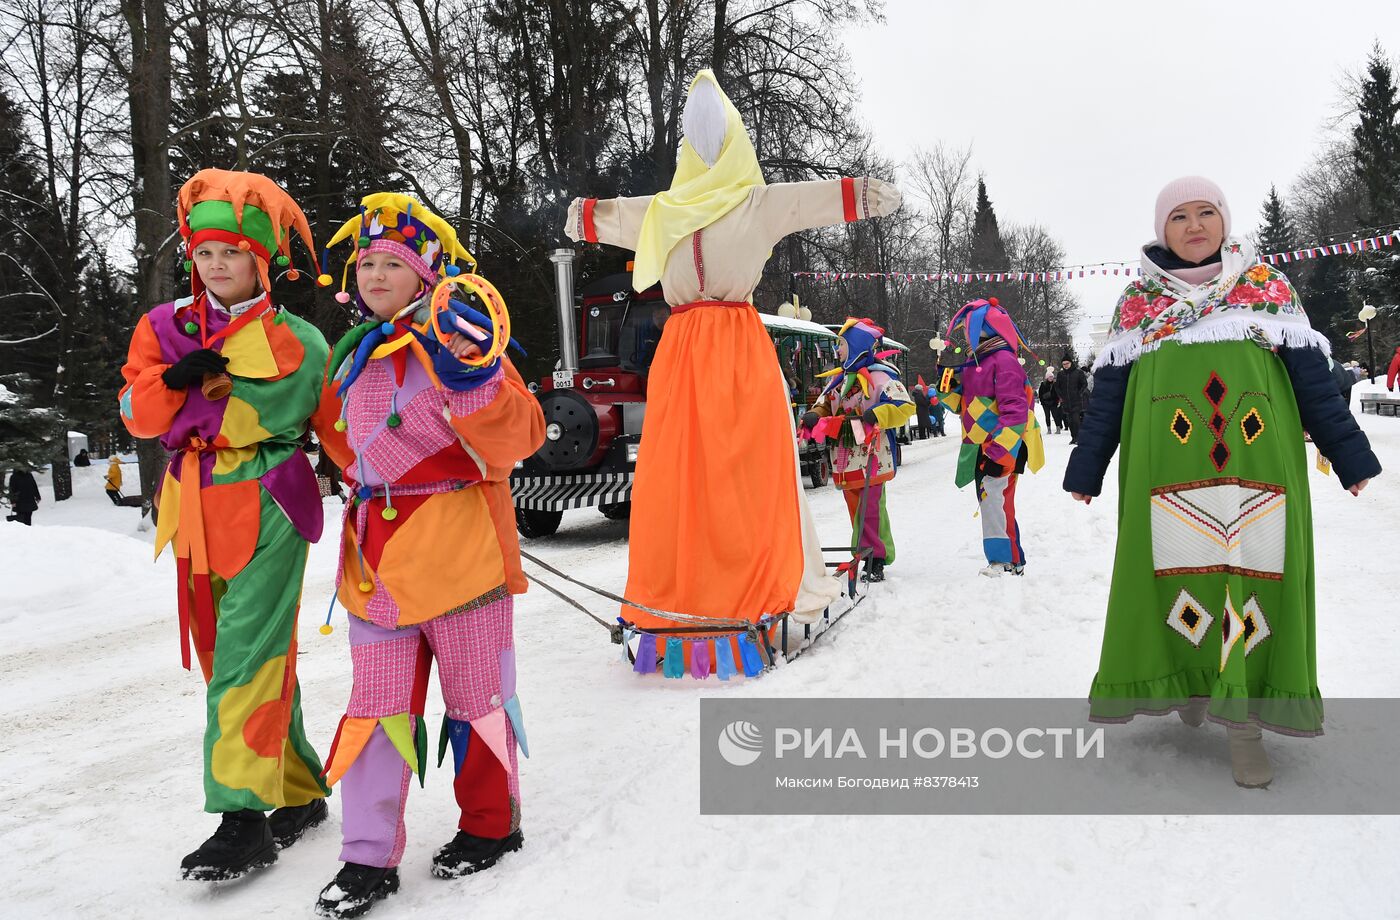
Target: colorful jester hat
[
  {"x": 247, "y": 210},
  {"x": 974, "y": 325},
  {"x": 397, "y": 224},
  {"x": 394, "y": 223},
  {"x": 862, "y": 338}
]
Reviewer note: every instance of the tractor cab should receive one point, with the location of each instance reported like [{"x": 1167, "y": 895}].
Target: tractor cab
[
  {"x": 593, "y": 404},
  {"x": 621, "y": 328}
]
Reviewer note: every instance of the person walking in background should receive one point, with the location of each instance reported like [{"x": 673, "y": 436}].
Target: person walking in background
[
  {"x": 1072, "y": 395},
  {"x": 1050, "y": 402},
  {"x": 922, "y": 407},
  {"x": 1392, "y": 375},
  {"x": 24, "y": 497},
  {"x": 112, "y": 482},
  {"x": 937, "y": 413}
]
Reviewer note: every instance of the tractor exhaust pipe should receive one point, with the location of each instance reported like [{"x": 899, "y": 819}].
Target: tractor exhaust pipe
[{"x": 563, "y": 260}]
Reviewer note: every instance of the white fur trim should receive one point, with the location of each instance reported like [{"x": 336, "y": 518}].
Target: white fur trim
[
  {"x": 705, "y": 121},
  {"x": 1227, "y": 326}
]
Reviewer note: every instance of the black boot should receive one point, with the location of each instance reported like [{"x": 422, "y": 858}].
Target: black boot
[
  {"x": 242, "y": 843},
  {"x": 874, "y": 569},
  {"x": 289, "y": 823},
  {"x": 467, "y": 854},
  {"x": 355, "y": 889}
]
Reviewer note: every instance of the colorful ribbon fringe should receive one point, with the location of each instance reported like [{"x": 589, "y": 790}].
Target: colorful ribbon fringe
[{"x": 698, "y": 657}]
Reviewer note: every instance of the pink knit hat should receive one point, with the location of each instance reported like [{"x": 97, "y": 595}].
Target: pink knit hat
[{"x": 1180, "y": 191}]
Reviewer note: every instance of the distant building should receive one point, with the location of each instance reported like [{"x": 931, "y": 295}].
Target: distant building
[{"x": 1098, "y": 336}]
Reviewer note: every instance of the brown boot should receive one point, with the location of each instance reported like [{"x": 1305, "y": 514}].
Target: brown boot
[
  {"x": 1248, "y": 760},
  {"x": 1194, "y": 712}
]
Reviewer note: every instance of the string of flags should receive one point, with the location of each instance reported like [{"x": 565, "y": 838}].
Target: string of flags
[{"x": 1101, "y": 269}]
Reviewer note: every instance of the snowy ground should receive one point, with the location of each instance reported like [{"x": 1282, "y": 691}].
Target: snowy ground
[{"x": 100, "y": 750}]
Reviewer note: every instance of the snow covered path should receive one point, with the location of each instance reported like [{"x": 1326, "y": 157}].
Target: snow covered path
[{"x": 100, "y": 774}]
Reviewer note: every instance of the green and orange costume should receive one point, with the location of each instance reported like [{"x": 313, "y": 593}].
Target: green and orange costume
[{"x": 239, "y": 501}]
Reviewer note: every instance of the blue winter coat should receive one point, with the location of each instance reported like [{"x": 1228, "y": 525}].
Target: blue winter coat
[{"x": 1325, "y": 416}]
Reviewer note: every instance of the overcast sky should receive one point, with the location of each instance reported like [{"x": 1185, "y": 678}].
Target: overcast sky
[{"x": 1078, "y": 113}]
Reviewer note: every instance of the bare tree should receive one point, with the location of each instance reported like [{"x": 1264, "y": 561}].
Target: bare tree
[{"x": 942, "y": 184}]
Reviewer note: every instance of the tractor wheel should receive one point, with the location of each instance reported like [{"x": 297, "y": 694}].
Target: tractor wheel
[
  {"x": 534, "y": 524},
  {"x": 618, "y": 511}
]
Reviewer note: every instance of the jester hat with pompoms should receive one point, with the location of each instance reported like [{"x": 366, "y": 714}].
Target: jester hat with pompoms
[
  {"x": 974, "y": 324},
  {"x": 244, "y": 209},
  {"x": 862, "y": 338},
  {"x": 397, "y": 224}
]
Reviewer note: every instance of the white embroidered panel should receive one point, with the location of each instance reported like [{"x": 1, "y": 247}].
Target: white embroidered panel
[{"x": 1228, "y": 525}]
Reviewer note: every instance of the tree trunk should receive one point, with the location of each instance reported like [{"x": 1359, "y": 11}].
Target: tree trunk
[
  {"x": 61, "y": 472},
  {"x": 720, "y": 49},
  {"x": 148, "y": 97}
]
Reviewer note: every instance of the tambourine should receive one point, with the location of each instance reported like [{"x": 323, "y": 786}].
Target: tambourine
[{"x": 495, "y": 309}]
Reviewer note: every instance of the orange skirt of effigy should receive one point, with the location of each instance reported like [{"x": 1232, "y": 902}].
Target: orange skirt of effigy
[{"x": 715, "y": 529}]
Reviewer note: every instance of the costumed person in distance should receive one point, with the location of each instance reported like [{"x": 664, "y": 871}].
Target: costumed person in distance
[
  {"x": 1050, "y": 402},
  {"x": 861, "y": 409},
  {"x": 922, "y": 409},
  {"x": 426, "y": 417},
  {"x": 985, "y": 383},
  {"x": 1210, "y": 377},
  {"x": 227, "y": 381},
  {"x": 736, "y": 544}
]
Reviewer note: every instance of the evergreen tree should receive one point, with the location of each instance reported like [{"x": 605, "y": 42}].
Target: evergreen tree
[
  {"x": 1277, "y": 233},
  {"x": 200, "y": 94},
  {"x": 29, "y": 233},
  {"x": 347, "y": 102},
  {"x": 989, "y": 250},
  {"x": 29, "y": 433},
  {"x": 1377, "y": 136},
  {"x": 1377, "y": 163},
  {"x": 98, "y": 351}
]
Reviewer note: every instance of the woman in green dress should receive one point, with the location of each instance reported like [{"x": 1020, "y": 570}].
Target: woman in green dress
[{"x": 1209, "y": 380}]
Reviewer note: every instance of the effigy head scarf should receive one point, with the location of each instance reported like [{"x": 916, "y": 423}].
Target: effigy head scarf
[
  {"x": 243, "y": 209},
  {"x": 700, "y": 193}
]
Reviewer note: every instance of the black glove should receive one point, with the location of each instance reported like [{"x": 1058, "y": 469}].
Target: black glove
[
  {"x": 868, "y": 419},
  {"x": 192, "y": 368},
  {"x": 810, "y": 419}
]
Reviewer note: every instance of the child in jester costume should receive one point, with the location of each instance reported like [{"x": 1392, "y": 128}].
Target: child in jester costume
[
  {"x": 985, "y": 383},
  {"x": 861, "y": 409},
  {"x": 1209, "y": 380},
  {"x": 227, "y": 382},
  {"x": 427, "y": 418}
]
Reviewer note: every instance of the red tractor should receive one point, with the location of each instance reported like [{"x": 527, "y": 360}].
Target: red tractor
[{"x": 593, "y": 403}]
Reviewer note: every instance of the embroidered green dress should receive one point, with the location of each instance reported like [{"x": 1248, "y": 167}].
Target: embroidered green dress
[
  {"x": 1213, "y": 578},
  {"x": 1213, "y": 592}
]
